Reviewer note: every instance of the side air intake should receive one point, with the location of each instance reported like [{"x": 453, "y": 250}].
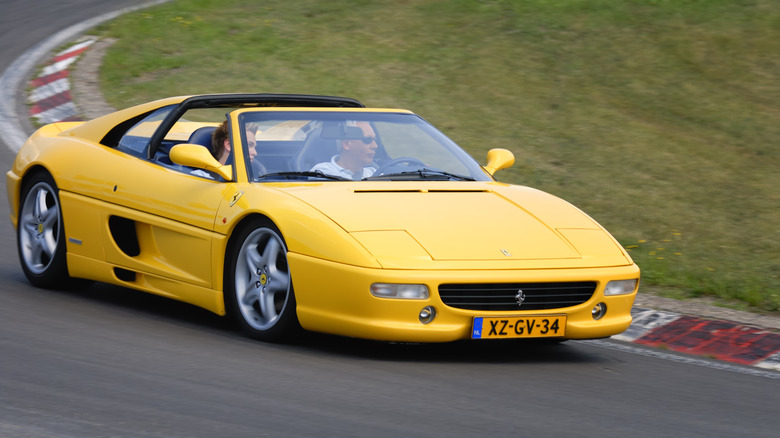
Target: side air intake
[{"x": 124, "y": 235}]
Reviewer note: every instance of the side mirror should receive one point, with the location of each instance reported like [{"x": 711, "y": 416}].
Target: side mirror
[
  {"x": 197, "y": 156},
  {"x": 498, "y": 159}
]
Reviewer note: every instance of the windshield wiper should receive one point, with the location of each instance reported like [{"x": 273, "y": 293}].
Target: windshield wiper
[
  {"x": 299, "y": 175},
  {"x": 432, "y": 174}
]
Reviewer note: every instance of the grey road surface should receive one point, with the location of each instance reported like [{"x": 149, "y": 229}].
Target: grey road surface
[{"x": 109, "y": 362}]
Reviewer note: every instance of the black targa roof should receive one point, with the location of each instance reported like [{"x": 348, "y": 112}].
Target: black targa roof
[{"x": 247, "y": 101}]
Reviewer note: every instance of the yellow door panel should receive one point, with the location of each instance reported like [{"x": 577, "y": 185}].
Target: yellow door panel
[
  {"x": 151, "y": 219},
  {"x": 117, "y": 178},
  {"x": 145, "y": 243}
]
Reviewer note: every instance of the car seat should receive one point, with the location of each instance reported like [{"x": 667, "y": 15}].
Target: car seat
[
  {"x": 316, "y": 149},
  {"x": 202, "y": 136}
]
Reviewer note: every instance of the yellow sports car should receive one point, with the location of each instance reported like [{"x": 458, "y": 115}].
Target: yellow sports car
[{"x": 313, "y": 212}]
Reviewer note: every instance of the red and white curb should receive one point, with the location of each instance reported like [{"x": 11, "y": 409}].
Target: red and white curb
[
  {"x": 50, "y": 96},
  {"x": 718, "y": 339}
]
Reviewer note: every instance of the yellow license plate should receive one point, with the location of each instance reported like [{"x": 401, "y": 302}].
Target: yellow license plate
[{"x": 519, "y": 327}]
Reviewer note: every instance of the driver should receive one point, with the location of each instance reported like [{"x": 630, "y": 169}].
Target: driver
[{"x": 356, "y": 160}]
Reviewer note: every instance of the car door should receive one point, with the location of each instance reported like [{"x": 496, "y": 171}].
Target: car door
[
  {"x": 143, "y": 218},
  {"x": 160, "y": 222},
  {"x": 150, "y": 219}
]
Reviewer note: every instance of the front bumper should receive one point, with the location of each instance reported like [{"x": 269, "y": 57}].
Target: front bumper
[{"x": 335, "y": 298}]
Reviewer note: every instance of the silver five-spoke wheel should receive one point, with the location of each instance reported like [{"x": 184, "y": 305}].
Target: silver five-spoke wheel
[
  {"x": 260, "y": 287},
  {"x": 40, "y": 226},
  {"x": 40, "y": 232}
]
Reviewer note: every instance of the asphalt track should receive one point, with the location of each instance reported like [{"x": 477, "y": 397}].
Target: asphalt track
[{"x": 107, "y": 361}]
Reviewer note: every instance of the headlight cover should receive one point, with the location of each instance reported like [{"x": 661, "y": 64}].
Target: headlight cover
[
  {"x": 400, "y": 291},
  {"x": 620, "y": 287}
]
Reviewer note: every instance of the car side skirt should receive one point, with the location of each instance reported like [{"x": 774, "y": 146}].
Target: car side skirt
[{"x": 83, "y": 267}]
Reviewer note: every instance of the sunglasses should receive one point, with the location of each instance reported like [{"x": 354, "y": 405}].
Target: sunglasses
[{"x": 367, "y": 140}]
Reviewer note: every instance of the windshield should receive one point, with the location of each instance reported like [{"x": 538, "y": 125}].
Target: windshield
[{"x": 350, "y": 146}]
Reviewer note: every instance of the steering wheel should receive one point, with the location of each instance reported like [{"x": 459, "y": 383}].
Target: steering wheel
[{"x": 410, "y": 161}]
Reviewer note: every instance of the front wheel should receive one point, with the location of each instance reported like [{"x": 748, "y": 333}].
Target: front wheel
[
  {"x": 258, "y": 285},
  {"x": 40, "y": 233}
]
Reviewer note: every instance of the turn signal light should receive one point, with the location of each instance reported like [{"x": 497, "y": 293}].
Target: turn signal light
[
  {"x": 620, "y": 287},
  {"x": 400, "y": 291}
]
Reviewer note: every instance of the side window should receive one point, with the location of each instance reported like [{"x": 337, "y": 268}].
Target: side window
[
  {"x": 135, "y": 141},
  {"x": 196, "y": 126}
]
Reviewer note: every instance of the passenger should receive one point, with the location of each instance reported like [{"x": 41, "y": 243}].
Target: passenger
[
  {"x": 356, "y": 158},
  {"x": 220, "y": 142},
  {"x": 221, "y": 147}
]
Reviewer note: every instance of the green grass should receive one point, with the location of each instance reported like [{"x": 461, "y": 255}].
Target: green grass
[{"x": 660, "y": 118}]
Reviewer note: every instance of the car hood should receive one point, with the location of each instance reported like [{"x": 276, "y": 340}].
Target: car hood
[{"x": 444, "y": 225}]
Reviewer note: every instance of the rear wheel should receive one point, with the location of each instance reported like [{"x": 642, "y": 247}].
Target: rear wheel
[
  {"x": 40, "y": 233},
  {"x": 258, "y": 285}
]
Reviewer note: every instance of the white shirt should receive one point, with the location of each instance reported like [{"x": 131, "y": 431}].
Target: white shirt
[
  {"x": 202, "y": 173},
  {"x": 332, "y": 168}
]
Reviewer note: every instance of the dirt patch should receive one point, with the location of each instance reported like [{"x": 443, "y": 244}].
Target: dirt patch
[{"x": 85, "y": 82}]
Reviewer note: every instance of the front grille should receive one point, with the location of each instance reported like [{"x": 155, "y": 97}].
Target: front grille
[{"x": 501, "y": 297}]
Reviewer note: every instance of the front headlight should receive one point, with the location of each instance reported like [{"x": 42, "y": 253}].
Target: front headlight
[
  {"x": 401, "y": 291},
  {"x": 620, "y": 287}
]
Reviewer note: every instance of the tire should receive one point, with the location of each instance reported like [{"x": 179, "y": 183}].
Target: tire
[
  {"x": 258, "y": 285},
  {"x": 40, "y": 234}
]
